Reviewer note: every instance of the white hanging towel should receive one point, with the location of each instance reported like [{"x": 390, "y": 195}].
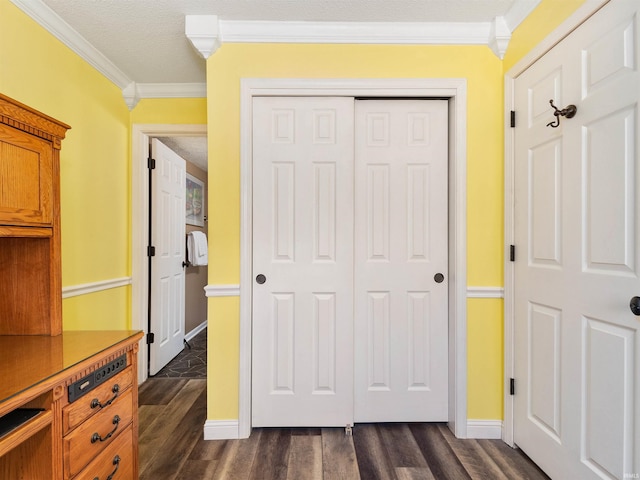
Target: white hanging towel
[{"x": 197, "y": 253}]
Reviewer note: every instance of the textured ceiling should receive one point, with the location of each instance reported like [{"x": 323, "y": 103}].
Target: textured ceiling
[
  {"x": 146, "y": 37},
  {"x": 146, "y": 41}
]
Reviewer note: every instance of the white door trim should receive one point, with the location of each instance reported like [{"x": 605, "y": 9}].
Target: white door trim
[
  {"x": 455, "y": 89},
  {"x": 140, "y": 135},
  {"x": 585, "y": 11}
]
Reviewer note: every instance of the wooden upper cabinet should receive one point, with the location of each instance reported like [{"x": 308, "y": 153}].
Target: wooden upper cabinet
[
  {"x": 30, "y": 260},
  {"x": 26, "y": 178}
]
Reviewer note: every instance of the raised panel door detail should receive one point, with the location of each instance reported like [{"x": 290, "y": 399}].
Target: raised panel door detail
[
  {"x": 282, "y": 343},
  {"x": 545, "y": 204},
  {"x": 420, "y": 337},
  {"x": 610, "y": 397},
  {"x": 378, "y": 130},
  {"x": 378, "y": 340},
  {"x": 418, "y": 208},
  {"x": 283, "y": 212},
  {"x": 324, "y": 234},
  {"x": 610, "y": 192},
  {"x": 283, "y": 130},
  {"x": 548, "y": 87},
  {"x": 324, "y": 344},
  {"x": 544, "y": 374},
  {"x": 378, "y": 228},
  {"x": 324, "y": 126},
  {"x": 419, "y": 129},
  {"x": 610, "y": 56}
]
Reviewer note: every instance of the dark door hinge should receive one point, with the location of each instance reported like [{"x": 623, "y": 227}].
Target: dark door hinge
[
  {"x": 512, "y": 386},
  {"x": 151, "y": 163},
  {"x": 151, "y": 251},
  {"x": 151, "y": 338},
  {"x": 513, "y": 118},
  {"x": 512, "y": 253}
]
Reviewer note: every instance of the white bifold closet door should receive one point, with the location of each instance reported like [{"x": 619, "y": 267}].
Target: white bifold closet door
[{"x": 349, "y": 235}]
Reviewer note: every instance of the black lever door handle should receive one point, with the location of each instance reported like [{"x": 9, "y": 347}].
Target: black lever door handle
[{"x": 634, "y": 305}]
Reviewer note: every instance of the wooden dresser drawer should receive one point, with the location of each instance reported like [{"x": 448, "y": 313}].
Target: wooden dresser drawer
[
  {"x": 101, "y": 398},
  {"x": 89, "y": 439},
  {"x": 116, "y": 460}
]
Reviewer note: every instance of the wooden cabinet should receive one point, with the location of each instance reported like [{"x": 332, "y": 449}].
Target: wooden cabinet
[
  {"x": 71, "y": 437},
  {"x": 30, "y": 262}
]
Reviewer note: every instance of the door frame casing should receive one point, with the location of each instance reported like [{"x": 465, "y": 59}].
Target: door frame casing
[
  {"x": 140, "y": 135},
  {"x": 453, "y": 89},
  {"x": 586, "y": 10}
]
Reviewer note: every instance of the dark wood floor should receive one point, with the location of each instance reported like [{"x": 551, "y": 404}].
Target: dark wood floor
[{"x": 173, "y": 412}]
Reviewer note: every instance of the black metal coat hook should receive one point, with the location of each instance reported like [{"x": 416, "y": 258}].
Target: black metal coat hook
[{"x": 568, "y": 112}]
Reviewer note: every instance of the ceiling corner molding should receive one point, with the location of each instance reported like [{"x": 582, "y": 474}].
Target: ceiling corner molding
[
  {"x": 131, "y": 95},
  {"x": 499, "y": 37},
  {"x": 238, "y": 31},
  {"x": 203, "y": 31},
  {"x": 519, "y": 11},
  {"x": 60, "y": 29}
]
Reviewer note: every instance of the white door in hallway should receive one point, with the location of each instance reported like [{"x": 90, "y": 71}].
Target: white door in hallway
[
  {"x": 303, "y": 247},
  {"x": 401, "y": 258},
  {"x": 577, "y": 265},
  {"x": 168, "y": 238}
]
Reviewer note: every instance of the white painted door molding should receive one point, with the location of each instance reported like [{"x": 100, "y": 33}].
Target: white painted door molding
[
  {"x": 140, "y": 135},
  {"x": 454, "y": 89},
  {"x": 586, "y": 10}
]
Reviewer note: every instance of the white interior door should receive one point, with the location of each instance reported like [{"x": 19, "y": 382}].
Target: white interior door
[
  {"x": 303, "y": 246},
  {"x": 401, "y": 258},
  {"x": 577, "y": 233},
  {"x": 167, "y": 273}
]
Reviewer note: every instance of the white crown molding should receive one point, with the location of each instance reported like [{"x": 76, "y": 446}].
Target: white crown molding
[
  {"x": 203, "y": 31},
  {"x": 499, "y": 37},
  {"x": 518, "y": 12},
  {"x": 238, "y": 31},
  {"x": 60, "y": 29}
]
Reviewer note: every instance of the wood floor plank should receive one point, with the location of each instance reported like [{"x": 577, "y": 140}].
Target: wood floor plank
[
  {"x": 439, "y": 456},
  {"x": 371, "y": 453},
  {"x": 414, "y": 473},
  {"x": 305, "y": 458},
  {"x": 338, "y": 455},
  {"x": 167, "y": 463},
  {"x": 147, "y": 414},
  {"x": 197, "y": 469},
  {"x": 273, "y": 455},
  {"x": 208, "y": 449},
  {"x": 401, "y": 446},
  {"x": 159, "y": 391},
  {"x": 238, "y": 457},
  {"x": 478, "y": 464},
  {"x": 154, "y": 437},
  {"x": 512, "y": 461}
]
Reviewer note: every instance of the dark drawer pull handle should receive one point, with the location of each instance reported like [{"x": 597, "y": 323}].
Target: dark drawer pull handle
[
  {"x": 96, "y": 403},
  {"x": 116, "y": 462},
  {"x": 96, "y": 436}
]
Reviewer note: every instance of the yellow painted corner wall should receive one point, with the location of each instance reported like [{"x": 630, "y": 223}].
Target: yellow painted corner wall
[
  {"x": 483, "y": 72},
  {"x": 170, "y": 111},
  {"x": 546, "y": 17},
  {"x": 39, "y": 71}
]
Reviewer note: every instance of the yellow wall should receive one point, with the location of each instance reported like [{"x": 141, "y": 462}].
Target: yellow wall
[{"x": 483, "y": 71}]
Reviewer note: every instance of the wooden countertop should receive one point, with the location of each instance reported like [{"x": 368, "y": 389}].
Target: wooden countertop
[{"x": 27, "y": 361}]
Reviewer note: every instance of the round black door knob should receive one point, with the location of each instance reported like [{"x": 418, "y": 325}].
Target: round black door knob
[
  {"x": 438, "y": 277},
  {"x": 261, "y": 279},
  {"x": 634, "y": 305}
]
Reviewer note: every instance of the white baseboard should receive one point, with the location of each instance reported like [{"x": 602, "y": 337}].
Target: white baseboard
[
  {"x": 196, "y": 331},
  {"x": 488, "y": 429},
  {"x": 221, "y": 430}
]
